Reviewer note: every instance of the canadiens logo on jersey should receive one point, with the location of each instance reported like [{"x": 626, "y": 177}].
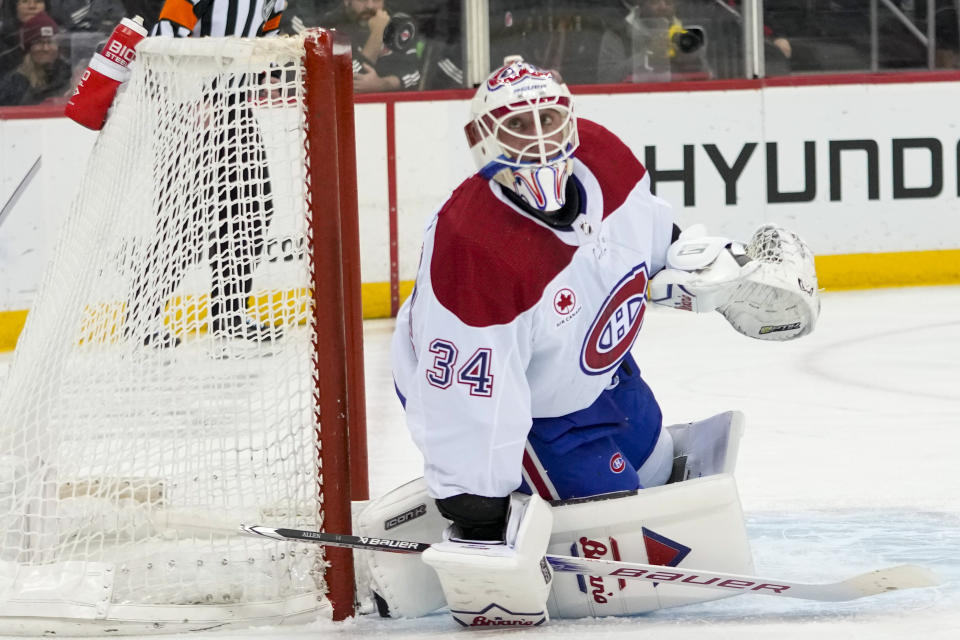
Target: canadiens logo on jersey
[
  {"x": 617, "y": 324},
  {"x": 617, "y": 463}
]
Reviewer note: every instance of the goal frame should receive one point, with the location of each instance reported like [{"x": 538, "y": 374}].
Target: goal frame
[
  {"x": 46, "y": 590},
  {"x": 334, "y": 213}
]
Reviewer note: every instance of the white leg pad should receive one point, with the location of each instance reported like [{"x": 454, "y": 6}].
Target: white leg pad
[
  {"x": 504, "y": 584},
  {"x": 408, "y": 586},
  {"x": 708, "y": 446},
  {"x": 697, "y": 523},
  {"x": 655, "y": 525}
]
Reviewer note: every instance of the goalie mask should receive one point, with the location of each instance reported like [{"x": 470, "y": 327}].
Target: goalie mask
[{"x": 523, "y": 132}]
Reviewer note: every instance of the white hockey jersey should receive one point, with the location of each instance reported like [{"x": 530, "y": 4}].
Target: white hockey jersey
[{"x": 511, "y": 319}]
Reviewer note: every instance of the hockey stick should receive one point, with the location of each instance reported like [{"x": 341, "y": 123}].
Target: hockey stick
[
  {"x": 906, "y": 576},
  {"x": 24, "y": 183}
]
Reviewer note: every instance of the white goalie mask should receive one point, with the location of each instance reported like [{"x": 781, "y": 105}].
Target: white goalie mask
[{"x": 523, "y": 132}]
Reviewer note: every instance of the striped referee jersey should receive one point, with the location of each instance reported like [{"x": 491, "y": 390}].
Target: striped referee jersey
[{"x": 244, "y": 18}]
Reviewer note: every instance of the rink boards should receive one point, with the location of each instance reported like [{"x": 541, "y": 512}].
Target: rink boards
[{"x": 864, "y": 168}]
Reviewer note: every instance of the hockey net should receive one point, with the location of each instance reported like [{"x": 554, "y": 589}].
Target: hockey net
[{"x": 166, "y": 387}]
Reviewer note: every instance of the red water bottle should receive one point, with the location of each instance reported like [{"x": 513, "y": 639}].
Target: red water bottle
[{"x": 103, "y": 76}]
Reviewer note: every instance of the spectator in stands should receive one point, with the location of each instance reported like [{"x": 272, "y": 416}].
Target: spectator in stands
[
  {"x": 89, "y": 15},
  {"x": 7, "y": 35},
  {"x": 85, "y": 26},
  {"x": 823, "y": 36},
  {"x": 947, "y": 50},
  {"x": 42, "y": 74},
  {"x": 15, "y": 13},
  {"x": 563, "y": 35},
  {"x": 304, "y": 14},
  {"x": 384, "y": 47},
  {"x": 650, "y": 44},
  {"x": 438, "y": 24}
]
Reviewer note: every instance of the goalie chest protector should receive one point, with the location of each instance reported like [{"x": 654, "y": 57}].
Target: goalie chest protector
[{"x": 512, "y": 319}]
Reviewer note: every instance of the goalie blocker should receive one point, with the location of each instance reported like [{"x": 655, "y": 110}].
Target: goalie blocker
[
  {"x": 766, "y": 289},
  {"x": 694, "y": 521}
]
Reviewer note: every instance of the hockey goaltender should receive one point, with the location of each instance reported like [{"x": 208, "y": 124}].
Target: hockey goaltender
[{"x": 512, "y": 358}]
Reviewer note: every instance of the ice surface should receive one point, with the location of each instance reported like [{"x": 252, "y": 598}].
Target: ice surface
[{"x": 848, "y": 463}]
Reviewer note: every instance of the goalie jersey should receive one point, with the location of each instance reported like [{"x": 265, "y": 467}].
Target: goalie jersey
[{"x": 512, "y": 319}]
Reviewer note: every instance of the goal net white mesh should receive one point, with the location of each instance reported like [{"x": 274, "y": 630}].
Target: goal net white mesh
[{"x": 165, "y": 378}]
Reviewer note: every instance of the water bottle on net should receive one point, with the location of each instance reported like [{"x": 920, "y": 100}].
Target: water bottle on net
[{"x": 103, "y": 76}]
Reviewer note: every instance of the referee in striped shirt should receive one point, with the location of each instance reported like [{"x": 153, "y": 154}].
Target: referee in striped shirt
[
  {"x": 234, "y": 220},
  {"x": 244, "y": 18}
]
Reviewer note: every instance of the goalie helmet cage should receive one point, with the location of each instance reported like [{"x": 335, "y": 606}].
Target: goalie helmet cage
[{"x": 193, "y": 357}]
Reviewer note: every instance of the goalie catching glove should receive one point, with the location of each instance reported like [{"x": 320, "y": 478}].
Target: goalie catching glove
[{"x": 766, "y": 289}]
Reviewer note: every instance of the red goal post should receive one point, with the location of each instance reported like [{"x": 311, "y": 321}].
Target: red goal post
[
  {"x": 193, "y": 358},
  {"x": 330, "y": 126}
]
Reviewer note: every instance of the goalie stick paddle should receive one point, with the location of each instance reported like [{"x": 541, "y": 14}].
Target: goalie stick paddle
[{"x": 898, "y": 578}]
